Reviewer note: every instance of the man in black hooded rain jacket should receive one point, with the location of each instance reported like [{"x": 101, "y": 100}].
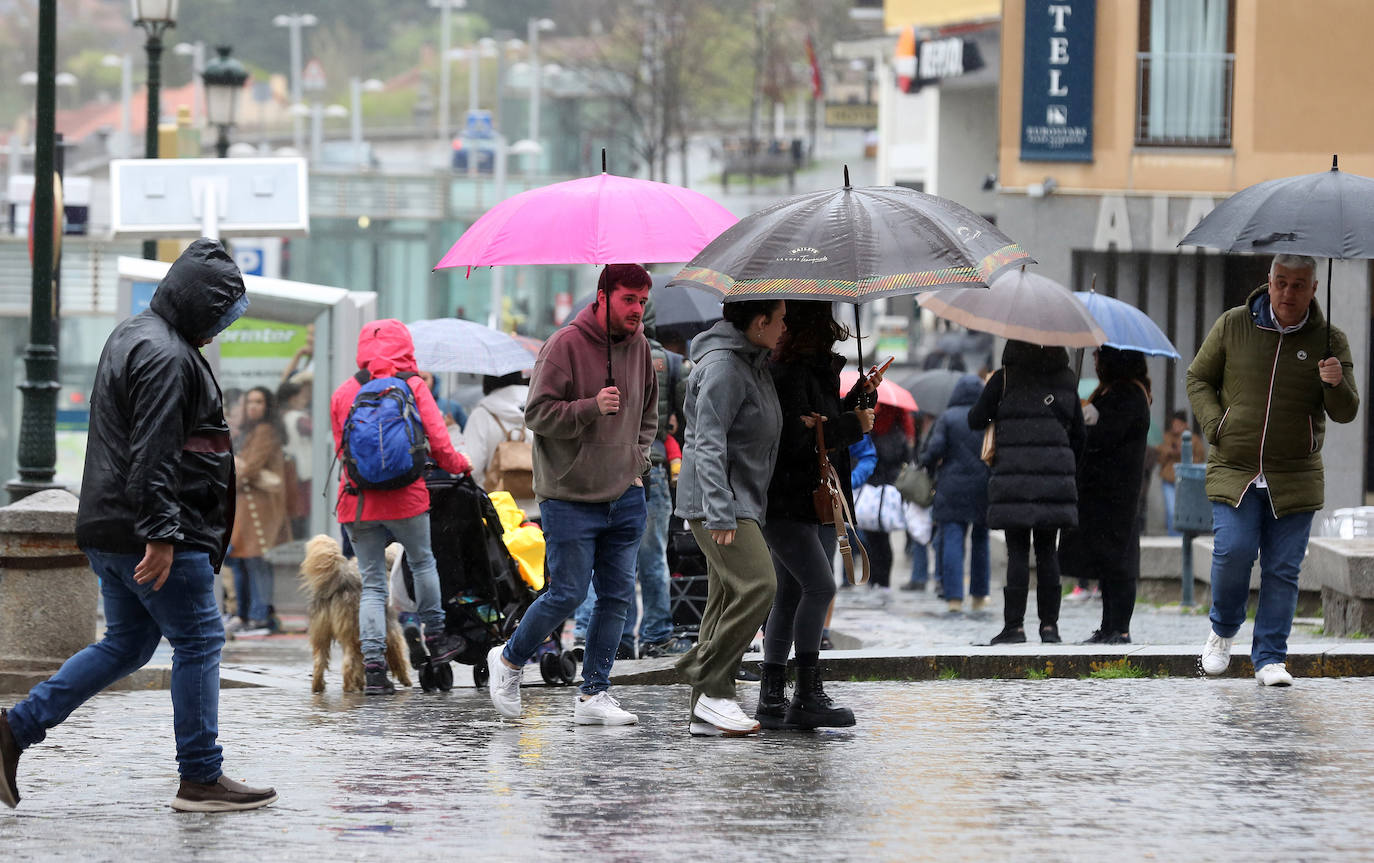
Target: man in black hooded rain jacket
[{"x": 157, "y": 505}]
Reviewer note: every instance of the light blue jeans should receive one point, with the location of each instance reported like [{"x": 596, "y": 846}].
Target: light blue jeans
[
  {"x": 585, "y": 543},
  {"x": 369, "y": 543},
  {"x": 136, "y": 619},
  {"x": 1169, "y": 490},
  {"x": 652, "y": 573},
  {"x": 1242, "y": 532}
]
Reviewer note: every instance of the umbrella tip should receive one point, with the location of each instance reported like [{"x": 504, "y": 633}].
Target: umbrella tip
[
  {"x": 1333, "y": 161},
  {"x": 846, "y": 176},
  {"x": 603, "y": 160}
]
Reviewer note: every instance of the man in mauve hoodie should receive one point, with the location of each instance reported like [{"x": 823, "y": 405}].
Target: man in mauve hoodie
[{"x": 591, "y": 449}]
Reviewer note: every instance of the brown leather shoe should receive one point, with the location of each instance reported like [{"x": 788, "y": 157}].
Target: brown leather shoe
[
  {"x": 222, "y": 795},
  {"x": 9, "y": 763}
]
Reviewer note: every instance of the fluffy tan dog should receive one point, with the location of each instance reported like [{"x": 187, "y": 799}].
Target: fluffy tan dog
[{"x": 334, "y": 586}]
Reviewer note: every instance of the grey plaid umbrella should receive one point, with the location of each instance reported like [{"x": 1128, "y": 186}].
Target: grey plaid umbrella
[{"x": 456, "y": 345}]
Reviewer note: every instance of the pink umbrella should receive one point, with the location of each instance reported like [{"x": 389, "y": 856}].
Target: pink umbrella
[
  {"x": 595, "y": 220},
  {"x": 888, "y": 392}
]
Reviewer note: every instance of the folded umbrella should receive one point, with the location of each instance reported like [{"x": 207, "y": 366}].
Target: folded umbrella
[
  {"x": 456, "y": 345},
  {"x": 1127, "y": 327},
  {"x": 1025, "y": 306},
  {"x": 889, "y": 393}
]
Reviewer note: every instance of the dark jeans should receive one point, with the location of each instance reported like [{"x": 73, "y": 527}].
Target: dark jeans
[
  {"x": 136, "y": 619},
  {"x": 1047, "y": 597},
  {"x": 801, "y": 553},
  {"x": 254, "y": 582},
  {"x": 878, "y": 543}
]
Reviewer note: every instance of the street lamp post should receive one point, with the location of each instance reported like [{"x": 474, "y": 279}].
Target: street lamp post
[
  {"x": 125, "y": 62},
  {"x": 294, "y": 22},
  {"x": 155, "y": 17},
  {"x": 224, "y": 78},
  {"x": 38, "y": 392},
  {"x": 536, "y": 25},
  {"x": 196, "y": 51},
  {"x": 357, "y": 87},
  {"x": 446, "y": 8}
]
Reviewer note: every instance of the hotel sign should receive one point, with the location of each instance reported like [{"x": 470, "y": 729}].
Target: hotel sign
[{"x": 1057, "y": 81}]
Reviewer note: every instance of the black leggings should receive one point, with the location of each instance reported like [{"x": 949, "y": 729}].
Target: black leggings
[
  {"x": 1018, "y": 575},
  {"x": 802, "y": 554}
]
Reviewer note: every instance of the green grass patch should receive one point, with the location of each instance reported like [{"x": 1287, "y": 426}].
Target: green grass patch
[
  {"x": 1037, "y": 673},
  {"x": 1114, "y": 670},
  {"x": 1358, "y": 635},
  {"x": 949, "y": 674}
]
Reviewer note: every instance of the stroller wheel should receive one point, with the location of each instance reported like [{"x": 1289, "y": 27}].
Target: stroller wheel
[
  {"x": 579, "y": 654},
  {"x": 548, "y": 669},
  {"x": 415, "y": 644},
  {"x": 481, "y": 673},
  {"x": 443, "y": 677},
  {"x": 567, "y": 667},
  {"x": 427, "y": 682}
]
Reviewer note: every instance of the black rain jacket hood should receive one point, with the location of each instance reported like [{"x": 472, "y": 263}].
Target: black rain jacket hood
[{"x": 159, "y": 464}]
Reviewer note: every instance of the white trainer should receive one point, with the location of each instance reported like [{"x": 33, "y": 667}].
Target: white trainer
[
  {"x": 724, "y": 715},
  {"x": 601, "y": 709},
  {"x": 1273, "y": 674},
  {"x": 1216, "y": 653},
  {"x": 504, "y": 684}
]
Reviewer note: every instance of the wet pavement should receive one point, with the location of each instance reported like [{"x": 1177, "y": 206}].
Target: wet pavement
[{"x": 949, "y": 770}]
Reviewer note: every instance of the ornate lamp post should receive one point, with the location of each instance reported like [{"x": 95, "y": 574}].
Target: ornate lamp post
[
  {"x": 224, "y": 79},
  {"x": 155, "y": 17}
]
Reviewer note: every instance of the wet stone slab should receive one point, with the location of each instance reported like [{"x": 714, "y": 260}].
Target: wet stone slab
[{"x": 937, "y": 770}]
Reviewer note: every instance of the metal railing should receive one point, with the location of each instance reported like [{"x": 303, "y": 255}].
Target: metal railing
[{"x": 1184, "y": 99}]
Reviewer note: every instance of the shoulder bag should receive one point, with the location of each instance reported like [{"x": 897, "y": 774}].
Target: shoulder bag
[
  {"x": 989, "y": 453},
  {"x": 832, "y": 508}
]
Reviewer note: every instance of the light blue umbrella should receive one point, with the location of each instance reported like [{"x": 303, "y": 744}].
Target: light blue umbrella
[
  {"x": 1127, "y": 328},
  {"x": 456, "y": 345}
]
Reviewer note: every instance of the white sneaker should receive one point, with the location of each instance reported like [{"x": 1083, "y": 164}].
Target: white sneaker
[
  {"x": 1274, "y": 674},
  {"x": 1216, "y": 653},
  {"x": 601, "y": 709},
  {"x": 724, "y": 715},
  {"x": 504, "y": 685}
]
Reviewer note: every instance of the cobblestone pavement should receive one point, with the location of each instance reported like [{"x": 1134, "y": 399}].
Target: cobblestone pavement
[{"x": 944, "y": 770}]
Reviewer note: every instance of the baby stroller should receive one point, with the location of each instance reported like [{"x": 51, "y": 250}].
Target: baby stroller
[
  {"x": 687, "y": 585},
  {"x": 484, "y": 596}
]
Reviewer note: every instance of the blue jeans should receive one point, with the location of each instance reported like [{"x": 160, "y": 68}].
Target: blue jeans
[
  {"x": 920, "y": 564},
  {"x": 585, "y": 543},
  {"x": 369, "y": 542},
  {"x": 254, "y": 582},
  {"x": 1241, "y": 533},
  {"x": 652, "y": 573},
  {"x": 136, "y": 619},
  {"x": 1168, "y": 489},
  {"x": 952, "y": 559}
]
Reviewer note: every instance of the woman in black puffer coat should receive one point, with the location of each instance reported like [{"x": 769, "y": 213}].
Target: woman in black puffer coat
[{"x": 1033, "y": 492}]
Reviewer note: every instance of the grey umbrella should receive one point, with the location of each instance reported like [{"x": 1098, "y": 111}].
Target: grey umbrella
[
  {"x": 1327, "y": 215},
  {"x": 931, "y": 388}
]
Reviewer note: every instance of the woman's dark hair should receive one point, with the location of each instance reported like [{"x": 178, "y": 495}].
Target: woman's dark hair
[
  {"x": 741, "y": 313},
  {"x": 492, "y": 383},
  {"x": 1115, "y": 366},
  {"x": 287, "y": 391},
  {"x": 269, "y": 415},
  {"x": 811, "y": 330}
]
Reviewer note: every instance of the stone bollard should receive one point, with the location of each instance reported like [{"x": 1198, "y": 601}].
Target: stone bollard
[{"x": 47, "y": 590}]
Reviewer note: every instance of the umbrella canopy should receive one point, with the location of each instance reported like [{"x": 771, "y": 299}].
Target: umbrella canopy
[
  {"x": 675, "y": 307},
  {"x": 456, "y": 345},
  {"x": 931, "y": 389},
  {"x": 529, "y": 343},
  {"x": 595, "y": 220},
  {"x": 1025, "y": 306},
  {"x": 889, "y": 393},
  {"x": 852, "y": 245},
  {"x": 1127, "y": 327}
]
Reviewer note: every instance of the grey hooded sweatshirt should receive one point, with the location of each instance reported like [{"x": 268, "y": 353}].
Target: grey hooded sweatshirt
[{"x": 733, "y": 424}]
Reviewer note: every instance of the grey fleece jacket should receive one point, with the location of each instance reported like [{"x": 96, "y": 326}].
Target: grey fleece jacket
[
  {"x": 733, "y": 425},
  {"x": 580, "y": 455}
]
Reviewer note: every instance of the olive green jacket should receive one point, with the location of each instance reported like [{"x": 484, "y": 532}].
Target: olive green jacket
[{"x": 1263, "y": 407}]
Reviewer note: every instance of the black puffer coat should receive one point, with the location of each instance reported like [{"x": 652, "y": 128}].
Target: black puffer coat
[
  {"x": 1034, "y": 400},
  {"x": 804, "y": 388},
  {"x": 159, "y": 464}
]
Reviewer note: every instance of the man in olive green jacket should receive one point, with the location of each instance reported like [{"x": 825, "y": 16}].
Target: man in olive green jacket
[{"x": 1262, "y": 386}]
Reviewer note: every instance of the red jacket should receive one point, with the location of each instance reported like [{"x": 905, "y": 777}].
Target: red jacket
[{"x": 385, "y": 348}]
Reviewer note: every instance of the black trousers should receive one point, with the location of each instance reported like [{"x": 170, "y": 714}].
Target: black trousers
[{"x": 1019, "y": 542}]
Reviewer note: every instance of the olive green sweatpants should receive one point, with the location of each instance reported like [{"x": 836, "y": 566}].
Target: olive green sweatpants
[{"x": 739, "y": 594}]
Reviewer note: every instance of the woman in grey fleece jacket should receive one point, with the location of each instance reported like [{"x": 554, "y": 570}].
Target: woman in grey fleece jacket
[{"x": 733, "y": 423}]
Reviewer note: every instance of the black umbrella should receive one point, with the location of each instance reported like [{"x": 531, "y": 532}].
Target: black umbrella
[
  {"x": 931, "y": 388},
  {"x": 852, "y": 245},
  {"x": 1326, "y": 215}
]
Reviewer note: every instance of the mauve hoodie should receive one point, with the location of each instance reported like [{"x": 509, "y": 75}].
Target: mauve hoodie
[{"x": 580, "y": 455}]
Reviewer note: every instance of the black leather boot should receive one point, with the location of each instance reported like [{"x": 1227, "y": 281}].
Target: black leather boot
[
  {"x": 445, "y": 647},
  {"x": 811, "y": 707},
  {"x": 1047, "y": 600},
  {"x": 772, "y": 709},
  {"x": 1013, "y": 616}
]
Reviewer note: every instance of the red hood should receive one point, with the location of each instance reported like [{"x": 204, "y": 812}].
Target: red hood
[{"x": 385, "y": 347}]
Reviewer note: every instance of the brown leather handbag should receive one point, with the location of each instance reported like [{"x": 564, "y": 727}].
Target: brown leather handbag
[{"x": 832, "y": 508}]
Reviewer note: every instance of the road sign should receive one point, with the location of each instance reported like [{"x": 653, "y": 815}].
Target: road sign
[
  {"x": 312, "y": 77},
  {"x": 169, "y": 197}
]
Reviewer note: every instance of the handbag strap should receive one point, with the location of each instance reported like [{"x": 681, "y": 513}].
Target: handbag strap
[{"x": 843, "y": 518}]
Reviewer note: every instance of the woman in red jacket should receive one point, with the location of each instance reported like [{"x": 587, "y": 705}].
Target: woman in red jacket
[{"x": 385, "y": 349}]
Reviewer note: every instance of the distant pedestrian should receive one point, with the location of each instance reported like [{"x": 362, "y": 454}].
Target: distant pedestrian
[
  {"x": 1106, "y": 543},
  {"x": 260, "y": 522},
  {"x": 157, "y": 502},
  {"x": 1032, "y": 494},
  {"x": 1262, "y": 391},
  {"x": 370, "y": 517},
  {"x": 893, "y": 434},
  {"x": 806, "y": 374},
  {"x": 733, "y": 422},
  {"x": 591, "y": 451},
  {"x": 499, "y": 416},
  {"x": 953, "y": 454},
  {"x": 1171, "y": 454}
]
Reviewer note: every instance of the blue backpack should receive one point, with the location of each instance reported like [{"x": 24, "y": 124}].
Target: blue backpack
[{"x": 384, "y": 445}]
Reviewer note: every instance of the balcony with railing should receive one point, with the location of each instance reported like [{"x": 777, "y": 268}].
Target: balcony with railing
[{"x": 1184, "y": 99}]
